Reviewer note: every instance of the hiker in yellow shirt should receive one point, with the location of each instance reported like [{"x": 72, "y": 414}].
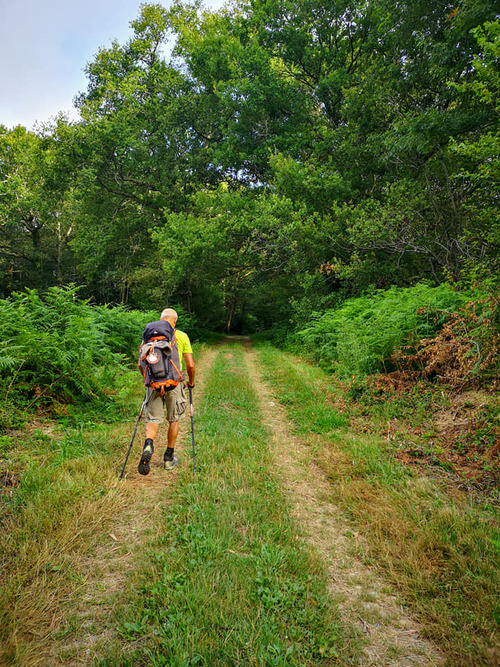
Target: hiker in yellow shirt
[{"x": 172, "y": 402}]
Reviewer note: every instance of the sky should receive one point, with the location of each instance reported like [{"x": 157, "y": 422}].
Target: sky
[{"x": 44, "y": 47}]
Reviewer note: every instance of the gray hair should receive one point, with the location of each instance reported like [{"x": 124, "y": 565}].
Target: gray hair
[{"x": 168, "y": 313}]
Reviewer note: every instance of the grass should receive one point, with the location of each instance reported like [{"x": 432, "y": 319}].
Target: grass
[
  {"x": 226, "y": 581},
  {"x": 439, "y": 548},
  {"x": 51, "y": 518},
  {"x": 224, "y": 577}
]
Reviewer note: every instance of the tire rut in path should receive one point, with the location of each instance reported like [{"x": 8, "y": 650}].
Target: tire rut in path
[
  {"x": 390, "y": 635},
  {"x": 106, "y": 570}
]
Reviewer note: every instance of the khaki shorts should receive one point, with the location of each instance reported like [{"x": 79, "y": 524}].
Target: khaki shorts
[{"x": 173, "y": 404}]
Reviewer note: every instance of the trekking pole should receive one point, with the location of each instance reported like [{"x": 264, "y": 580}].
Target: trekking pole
[
  {"x": 192, "y": 425},
  {"x": 135, "y": 431}
]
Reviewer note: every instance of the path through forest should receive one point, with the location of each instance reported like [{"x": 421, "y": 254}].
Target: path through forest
[
  {"x": 376, "y": 628},
  {"x": 364, "y": 599}
]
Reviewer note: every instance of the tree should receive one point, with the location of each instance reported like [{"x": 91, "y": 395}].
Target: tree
[
  {"x": 36, "y": 219},
  {"x": 235, "y": 244},
  {"x": 284, "y": 155},
  {"x": 477, "y": 155}
]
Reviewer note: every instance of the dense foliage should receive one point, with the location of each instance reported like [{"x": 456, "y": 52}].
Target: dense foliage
[
  {"x": 433, "y": 333},
  {"x": 361, "y": 335},
  {"x": 57, "y": 349},
  {"x": 284, "y": 157}
]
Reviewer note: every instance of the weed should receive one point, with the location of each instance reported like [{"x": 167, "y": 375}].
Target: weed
[{"x": 6, "y": 444}]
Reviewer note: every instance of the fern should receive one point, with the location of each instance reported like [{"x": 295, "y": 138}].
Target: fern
[
  {"x": 360, "y": 336},
  {"x": 56, "y": 347},
  {"x": 10, "y": 356}
]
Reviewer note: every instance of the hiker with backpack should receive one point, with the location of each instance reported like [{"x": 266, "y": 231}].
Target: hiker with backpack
[{"x": 164, "y": 350}]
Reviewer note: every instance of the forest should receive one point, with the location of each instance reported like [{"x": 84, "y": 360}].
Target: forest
[
  {"x": 318, "y": 180},
  {"x": 263, "y": 163}
]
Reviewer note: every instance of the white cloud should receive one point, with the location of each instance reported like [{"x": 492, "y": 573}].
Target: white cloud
[{"x": 44, "y": 47}]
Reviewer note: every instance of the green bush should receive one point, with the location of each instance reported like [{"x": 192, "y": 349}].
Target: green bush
[
  {"x": 358, "y": 337},
  {"x": 57, "y": 348}
]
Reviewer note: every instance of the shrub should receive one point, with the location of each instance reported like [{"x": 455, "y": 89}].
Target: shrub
[
  {"x": 360, "y": 336},
  {"x": 53, "y": 346},
  {"x": 57, "y": 348},
  {"x": 464, "y": 351}
]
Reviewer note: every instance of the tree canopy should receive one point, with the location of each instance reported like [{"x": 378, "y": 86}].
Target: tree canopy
[{"x": 267, "y": 160}]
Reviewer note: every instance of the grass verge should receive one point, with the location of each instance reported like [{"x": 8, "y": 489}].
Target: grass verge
[
  {"x": 64, "y": 494},
  {"x": 441, "y": 550}
]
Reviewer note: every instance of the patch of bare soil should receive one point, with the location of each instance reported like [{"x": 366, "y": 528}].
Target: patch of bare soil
[
  {"x": 106, "y": 571},
  {"x": 246, "y": 341},
  {"x": 390, "y": 636}
]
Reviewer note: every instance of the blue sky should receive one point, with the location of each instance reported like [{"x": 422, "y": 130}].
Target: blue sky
[{"x": 44, "y": 46}]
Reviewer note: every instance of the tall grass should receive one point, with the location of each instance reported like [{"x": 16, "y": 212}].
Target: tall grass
[{"x": 51, "y": 523}]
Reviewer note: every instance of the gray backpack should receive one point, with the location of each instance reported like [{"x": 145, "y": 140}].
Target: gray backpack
[{"x": 160, "y": 357}]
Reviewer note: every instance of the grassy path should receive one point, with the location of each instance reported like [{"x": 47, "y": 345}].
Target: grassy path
[
  {"x": 390, "y": 636},
  {"x": 261, "y": 559},
  {"x": 111, "y": 567},
  {"x": 436, "y": 546},
  {"x": 227, "y": 580}
]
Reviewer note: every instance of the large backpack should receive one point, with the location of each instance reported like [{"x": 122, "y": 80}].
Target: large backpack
[{"x": 159, "y": 357}]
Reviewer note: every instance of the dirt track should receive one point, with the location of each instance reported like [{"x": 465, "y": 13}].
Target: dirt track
[{"x": 389, "y": 635}]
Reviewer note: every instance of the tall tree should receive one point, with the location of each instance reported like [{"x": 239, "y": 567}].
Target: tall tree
[{"x": 36, "y": 217}]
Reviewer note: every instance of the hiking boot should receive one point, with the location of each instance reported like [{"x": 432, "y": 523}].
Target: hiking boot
[
  {"x": 169, "y": 460},
  {"x": 147, "y": 453}
]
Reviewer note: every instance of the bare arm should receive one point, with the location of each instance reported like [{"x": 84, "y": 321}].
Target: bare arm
[{"x": 188, "y": 358}]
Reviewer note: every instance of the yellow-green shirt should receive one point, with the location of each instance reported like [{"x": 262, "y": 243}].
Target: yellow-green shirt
[{"x": 183, "y": 345}]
